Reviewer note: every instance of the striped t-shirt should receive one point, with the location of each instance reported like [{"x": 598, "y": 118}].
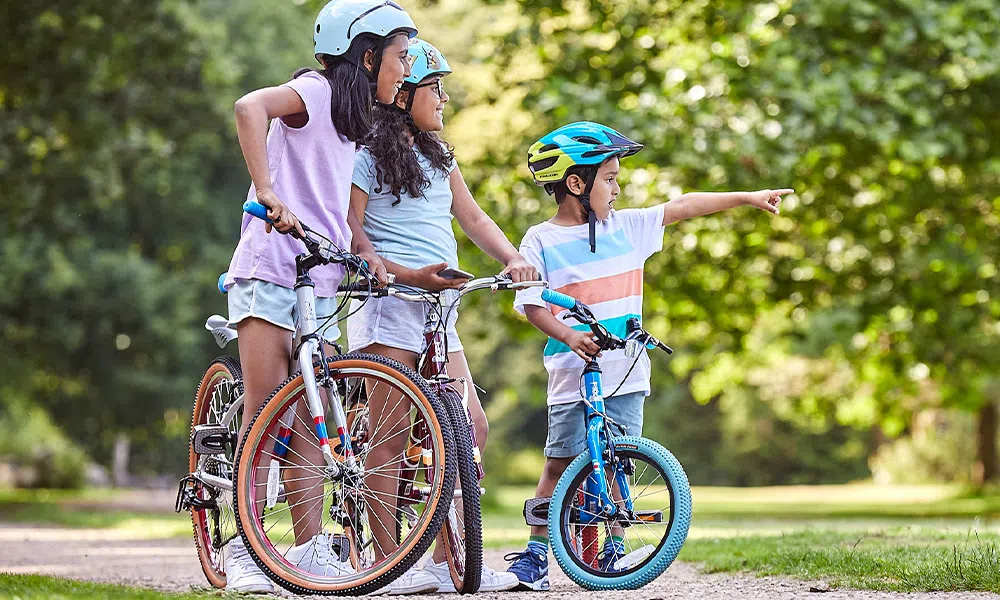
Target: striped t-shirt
[{"x": 608, "y": 281}]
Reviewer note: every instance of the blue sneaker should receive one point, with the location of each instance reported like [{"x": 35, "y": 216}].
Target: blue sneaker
[
  {"x": 609, "y": 556},
  {"x": 531, "y": 568}
]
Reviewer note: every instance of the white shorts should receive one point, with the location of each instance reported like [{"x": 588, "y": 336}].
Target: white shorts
[{"x": 395, "y": 323}]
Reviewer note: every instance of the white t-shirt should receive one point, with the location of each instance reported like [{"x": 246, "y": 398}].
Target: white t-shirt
[{"x": 608, "y": 281}]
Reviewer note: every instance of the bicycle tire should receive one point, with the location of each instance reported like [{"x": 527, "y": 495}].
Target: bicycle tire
[
  {"x": 655, "y": 563},
  {"x": 406, "y": 555},
  {"x": 463, "y": 537},
  {"x": 223, "y": 368}
]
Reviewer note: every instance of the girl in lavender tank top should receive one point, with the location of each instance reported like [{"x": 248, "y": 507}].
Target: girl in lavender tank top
[{"x": 301, "y": 166}]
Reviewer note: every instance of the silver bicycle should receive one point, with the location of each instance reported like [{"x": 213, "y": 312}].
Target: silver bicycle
[{"x": 288, "y": 478}]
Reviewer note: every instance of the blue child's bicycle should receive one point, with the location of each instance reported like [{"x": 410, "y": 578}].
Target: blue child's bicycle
[{"x": 621, "y": 510}]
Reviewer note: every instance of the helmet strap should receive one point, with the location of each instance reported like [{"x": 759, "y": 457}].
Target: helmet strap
[
  {"x": 411, "y": 90},
  {"x": 376, "y": 65},
  {"x": 591, "y": 215}
]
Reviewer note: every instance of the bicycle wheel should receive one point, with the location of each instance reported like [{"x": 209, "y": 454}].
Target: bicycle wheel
[
  {"x": 212, "y": 517},
  {"x": 462, "y": 534},
  {"x": 651, "y": 536},
  {"x": 352, "y": 506}
]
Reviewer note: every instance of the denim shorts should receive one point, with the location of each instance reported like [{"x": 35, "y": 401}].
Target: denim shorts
[
  {"x": 395, "y": 323},
  {"x": 276, "y": 305},
  {"x": 567, "y": 435}
]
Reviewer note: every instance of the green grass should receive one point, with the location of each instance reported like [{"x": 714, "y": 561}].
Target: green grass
[
  {"x": 912, "y": 538},
  {"x": 861, "y": 500},
  {"x": 39, "y": 586},
  {"x": 902, "y": 560}
]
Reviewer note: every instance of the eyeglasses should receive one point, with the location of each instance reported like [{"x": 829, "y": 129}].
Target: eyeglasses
[
  {"x": 370, "y": 11},
  {"x": 438, "y": 88}
]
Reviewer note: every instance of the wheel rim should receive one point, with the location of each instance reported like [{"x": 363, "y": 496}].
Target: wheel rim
[
  {"x": 273, "y": 530},
  {"x": 214, "y": 528},
  {"x": 453, "y": 534},
  {"x": 651, "y": 491}
]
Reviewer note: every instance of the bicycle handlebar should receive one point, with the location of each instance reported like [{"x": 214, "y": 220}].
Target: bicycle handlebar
[
  {"x": 559, "y": 299},
  {"x": 410, "y": 294},
  {"x": 635, "y": 334},
  {"x": 320, "y": 247},
  {"x": 256, "y": 209},
  {"x": 327, "y": 252}
]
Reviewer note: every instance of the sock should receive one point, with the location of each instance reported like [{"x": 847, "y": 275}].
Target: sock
[
  {"x": 539, "y": 543},
  {"x": 618, "y": 540}
]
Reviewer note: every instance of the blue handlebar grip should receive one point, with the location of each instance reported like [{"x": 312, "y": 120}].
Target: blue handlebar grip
[
  {"x": 256, "y": 209},
  {"x": 222, "y": 282},
  {"x": 567, "y": 302}
]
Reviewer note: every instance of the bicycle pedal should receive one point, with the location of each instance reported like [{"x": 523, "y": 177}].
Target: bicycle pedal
[
  {"x": 648, "y": 516},
  {"x": 211, "y": 439},
  {"x": 536, "y": 511},
  {"x": 340, "y": 546},
  {"x": 183, "y": 500}
]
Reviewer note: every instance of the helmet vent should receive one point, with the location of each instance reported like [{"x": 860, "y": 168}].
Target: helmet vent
[
  {"x": 317, "y": 27},
  {"x": 593, "y": 153},
  {"x": 549, "y": 148},
  {"x": 586, "y": 139},
  {"x": 543, "y": 164}
]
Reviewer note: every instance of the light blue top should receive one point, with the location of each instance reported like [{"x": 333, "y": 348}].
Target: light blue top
[{"x": 416, "y": 232}]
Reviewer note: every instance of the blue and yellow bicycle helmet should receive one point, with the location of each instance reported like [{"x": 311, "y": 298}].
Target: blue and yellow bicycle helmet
[{"x": 584, "y": 143}]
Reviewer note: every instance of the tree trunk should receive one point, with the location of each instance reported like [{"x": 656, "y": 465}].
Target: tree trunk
[
  {"x": 986, "y": 450},
  {"x": 119, "y": 460}
]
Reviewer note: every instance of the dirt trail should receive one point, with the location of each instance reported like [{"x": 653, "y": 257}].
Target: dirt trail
[{"x": 171, "y": 565}]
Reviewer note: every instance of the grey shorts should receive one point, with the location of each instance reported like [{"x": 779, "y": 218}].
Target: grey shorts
[
  {"x": 567, "y": 435},
  {"x": 276, "y": 304},
  {"x": 395, "y": 323}
]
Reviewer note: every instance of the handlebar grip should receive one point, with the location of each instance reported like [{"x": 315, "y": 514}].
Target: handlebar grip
[
  {"x": 256, "y": 209},
  {"x": 567, "y": 302},
  {"x": 222, "y": 282}
]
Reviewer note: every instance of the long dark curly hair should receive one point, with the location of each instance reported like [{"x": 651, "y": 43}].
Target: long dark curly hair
[{"x": 396, "y": 166}]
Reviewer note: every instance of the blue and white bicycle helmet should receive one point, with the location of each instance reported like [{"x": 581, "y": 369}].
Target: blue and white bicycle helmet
[
  {"x": 425, "y": 61},
  {"x": 341, "y": 21}
]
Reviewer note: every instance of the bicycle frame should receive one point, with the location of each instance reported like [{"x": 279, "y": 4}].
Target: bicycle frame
[
  {"x": 434, "y": 368},
  {"x": 308, "y": 347},
  {"x": 598, "y": 443}
]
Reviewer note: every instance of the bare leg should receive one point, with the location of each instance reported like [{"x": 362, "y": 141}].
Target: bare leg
[
  {"x": 264, "y": 352},
  {"x": 388, "y": 442},
  {"x": 553, "y": 470}
]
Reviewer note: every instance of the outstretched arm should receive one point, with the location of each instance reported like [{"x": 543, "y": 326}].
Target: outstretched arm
[
  {"x": 697, "y": 204},
  {"x": 485, "y": 233}
]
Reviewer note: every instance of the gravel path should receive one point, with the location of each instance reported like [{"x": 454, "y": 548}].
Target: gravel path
[{"x": 171, "y": 565}]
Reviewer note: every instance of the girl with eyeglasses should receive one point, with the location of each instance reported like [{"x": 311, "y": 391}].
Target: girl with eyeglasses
[{"x": 407, "y": 188}]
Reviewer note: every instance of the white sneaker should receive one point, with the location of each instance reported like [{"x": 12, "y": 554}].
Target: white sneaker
[
  {"x": 492, "y": 581},
  {"x": 316, "y": 557},
  {"x": 242, "y": 573},
  {"x": 414, "y": 581}
]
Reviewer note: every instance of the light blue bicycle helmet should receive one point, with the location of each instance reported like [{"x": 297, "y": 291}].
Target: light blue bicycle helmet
[
  {"x": 341, "y": 21},
  {"x": 425, "y": 61},
  {"x": 582, "y": 143}
]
